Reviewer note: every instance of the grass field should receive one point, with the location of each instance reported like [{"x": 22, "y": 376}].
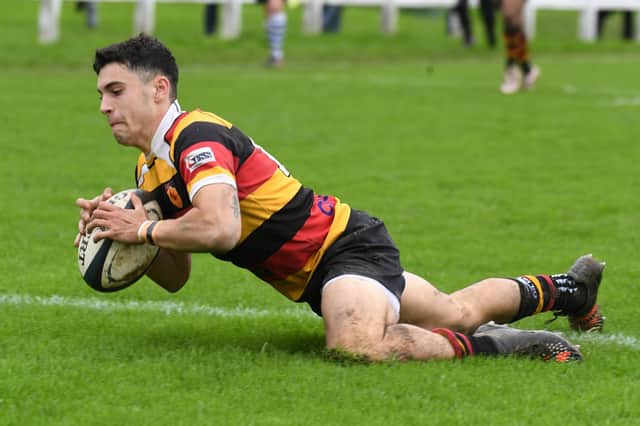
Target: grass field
[{"x": 410, "y": 127}]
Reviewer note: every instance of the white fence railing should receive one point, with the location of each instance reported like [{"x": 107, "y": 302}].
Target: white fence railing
[
  {"x": 231, "y": 16},
  {"x": 587, "y": 17}
]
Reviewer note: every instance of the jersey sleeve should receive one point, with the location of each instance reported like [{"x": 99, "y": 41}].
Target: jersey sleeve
[{"x": 203, "y": 156}]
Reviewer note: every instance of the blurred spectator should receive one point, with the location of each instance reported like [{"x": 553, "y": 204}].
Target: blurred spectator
[
  {"x": 210, "y": 18},
  {"x": 458, "y": 20},
  {"x": 628, "y": 29},
  {"x": 488, "y": 9},
  {"x": 331, "y": 17},
  {"x": 91, "y": 9}
]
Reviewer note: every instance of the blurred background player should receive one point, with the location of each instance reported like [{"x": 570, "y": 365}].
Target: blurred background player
[
  {"x": 628, "y": 29},
  {"x": 331, "y": 18},
  {"x": 275, "y": 27},
  {"x": 91, "y": 9},
  {"x": 520, "y": 73},
  {"x": 210, "y": 18},
  {"x": 458, "y": 17}
]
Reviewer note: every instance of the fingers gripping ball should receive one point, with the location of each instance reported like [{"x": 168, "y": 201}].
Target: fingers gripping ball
[{"x": 108, "y": 265}]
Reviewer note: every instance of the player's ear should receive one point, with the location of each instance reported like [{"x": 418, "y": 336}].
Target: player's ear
[{"x": 162, "y": 88}]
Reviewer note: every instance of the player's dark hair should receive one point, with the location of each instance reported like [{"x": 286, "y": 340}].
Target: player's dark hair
[{"x": 142, "y": 54}]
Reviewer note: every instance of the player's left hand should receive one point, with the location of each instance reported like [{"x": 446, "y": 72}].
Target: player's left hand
[{"x": 117, "y": 223}]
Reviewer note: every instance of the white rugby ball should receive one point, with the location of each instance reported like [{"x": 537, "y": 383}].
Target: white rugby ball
[{"x": 108, "y": 265}]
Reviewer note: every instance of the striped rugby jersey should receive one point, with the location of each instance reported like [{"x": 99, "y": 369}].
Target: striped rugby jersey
[{"x": 286, "y": 227}]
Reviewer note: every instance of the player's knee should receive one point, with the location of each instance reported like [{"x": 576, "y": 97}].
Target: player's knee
[
  {"x": 395, "y": 343},
  {"x": 356, "y": 348}
]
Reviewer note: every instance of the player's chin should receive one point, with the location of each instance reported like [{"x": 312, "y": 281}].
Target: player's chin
[
  {"x": 120, "y": 135},
  {"x": 120, "y": 138}
]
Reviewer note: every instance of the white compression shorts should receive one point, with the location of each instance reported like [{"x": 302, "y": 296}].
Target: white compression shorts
[{"x": 393, "y": 300}]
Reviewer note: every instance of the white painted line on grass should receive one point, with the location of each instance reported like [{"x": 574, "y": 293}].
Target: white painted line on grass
[
  {"x": 626, "y": 101},
  {"x": 609, "y": 339},
  {"x": 165, "y": 307},
  {"x": 180, "y": 308}
]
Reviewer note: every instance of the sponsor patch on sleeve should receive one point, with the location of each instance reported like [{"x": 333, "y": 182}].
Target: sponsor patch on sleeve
[{"x": 198, "y": 157}]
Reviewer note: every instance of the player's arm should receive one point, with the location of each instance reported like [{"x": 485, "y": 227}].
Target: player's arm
[
  {"x": 171, "y": 269},
  {"x": 212, "y": 225}
]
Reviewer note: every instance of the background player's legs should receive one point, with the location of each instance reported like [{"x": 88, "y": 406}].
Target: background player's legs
[
  {"x": 276, "y": 27},
  {"x": 519, "y": 72}
]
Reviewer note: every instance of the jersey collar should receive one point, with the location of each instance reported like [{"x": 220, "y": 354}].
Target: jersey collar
[{"x": 158, "y": 143}]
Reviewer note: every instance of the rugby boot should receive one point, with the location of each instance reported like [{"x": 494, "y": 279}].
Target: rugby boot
[
  {"x": 539, "y": 344},
  {"x": 512, "y": 80},
  {"x": 586, "y": 274},
  {"x": 529, "y": 80}
]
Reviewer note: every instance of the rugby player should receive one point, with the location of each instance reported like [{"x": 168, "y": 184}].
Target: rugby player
[{"x": 221, "y": 193}]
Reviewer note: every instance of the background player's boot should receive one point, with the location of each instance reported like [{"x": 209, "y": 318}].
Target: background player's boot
[
  {"x": 530, "y": 78},
  {"x": 586, "y": 273},
  {"x": 539, "y": 344},
  {"x": 512, "y": 80}
]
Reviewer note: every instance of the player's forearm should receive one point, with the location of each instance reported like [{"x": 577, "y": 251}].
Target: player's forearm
[
  {"x": 194, "y": 232},
  {"x": 171, "y": 269}
]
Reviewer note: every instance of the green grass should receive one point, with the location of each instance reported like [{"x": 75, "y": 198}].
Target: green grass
[{"x": 409, "y": 127}]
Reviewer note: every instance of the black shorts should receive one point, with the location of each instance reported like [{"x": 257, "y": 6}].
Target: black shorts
[{"x": 365, "y": 248}]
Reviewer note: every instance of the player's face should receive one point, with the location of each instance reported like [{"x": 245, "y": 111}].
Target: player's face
[{"x": 128, "y": 103}]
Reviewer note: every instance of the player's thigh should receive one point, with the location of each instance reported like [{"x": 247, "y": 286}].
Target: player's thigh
[
  {"x": 424, "y": 305},
  {"x": 356, "y": 314}
]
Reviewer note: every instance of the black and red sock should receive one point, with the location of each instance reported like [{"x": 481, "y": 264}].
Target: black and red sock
[{"x": 464, "y": 345}]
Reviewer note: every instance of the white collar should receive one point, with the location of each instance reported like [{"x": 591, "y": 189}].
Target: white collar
[{"x": 158, "y": 142}]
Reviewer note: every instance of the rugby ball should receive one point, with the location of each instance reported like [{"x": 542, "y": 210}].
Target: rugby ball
[{"x": 108, "y": 265}]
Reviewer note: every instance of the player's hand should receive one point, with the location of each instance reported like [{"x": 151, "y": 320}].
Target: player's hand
[
  {"x": 117, "y": 223},
  {"x": 87, "y": 206}
]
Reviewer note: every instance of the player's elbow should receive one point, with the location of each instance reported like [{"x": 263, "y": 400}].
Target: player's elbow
[
  {"x": 176, "y": 284},
  {"x": 171, "y": 270},
  {"x": 222, "y": 239}
]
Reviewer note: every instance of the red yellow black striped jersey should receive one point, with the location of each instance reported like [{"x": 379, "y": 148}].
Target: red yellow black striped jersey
[{"x": 286, "y": 227}]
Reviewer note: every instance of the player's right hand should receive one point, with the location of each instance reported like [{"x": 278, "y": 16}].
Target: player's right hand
[{"x": 87, "y": 206}]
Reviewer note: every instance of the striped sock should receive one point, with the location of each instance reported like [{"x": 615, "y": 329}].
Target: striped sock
[
  {"x": 276, "y": 28},
  {"x": 537, "y": 294},
  {"x": 464, "y": 345},
  {"x": 517, "y": 47},
  {"x": 541, "y": 293}
]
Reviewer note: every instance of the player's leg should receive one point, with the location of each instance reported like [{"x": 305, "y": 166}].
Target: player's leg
[
  {"x": 92, "y": 14},
  {"x": 462, "y": 10},
  {"x": 507, "y": 300},
  {"x": 487, "y": 9},
  {"x": 492, "y": 299},
  {"x": 275, "y": 27},
  {"x": 519, "y": 72},
  {"x": 361, "y": 319}
]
